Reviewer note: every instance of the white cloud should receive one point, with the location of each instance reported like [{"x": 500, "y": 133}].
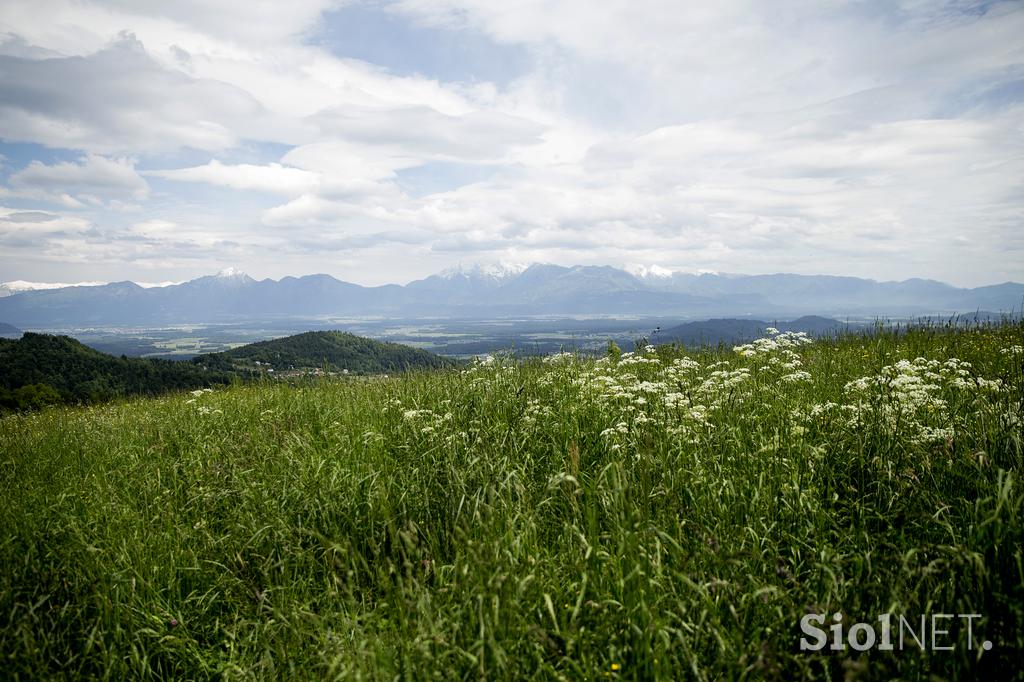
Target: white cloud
[
  {"x": 742, "y": 56},
  {"x": 19, "y": 227},
  {"x": 272, "y": 178},
  {"x": 426, "y": 133},
  {"x": 255, "y": 22},
  {"x": 882, "y": 200},
  {"x": 119, "y": 100},
  {"x": 73, "y": 27},
  {"x": 92, "y": 180}
]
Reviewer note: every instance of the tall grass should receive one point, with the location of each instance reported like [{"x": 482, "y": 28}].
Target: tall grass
[{"x": 547, "y": 520}]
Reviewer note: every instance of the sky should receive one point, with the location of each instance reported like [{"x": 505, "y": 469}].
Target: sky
[{"x": 384, "y": 140}]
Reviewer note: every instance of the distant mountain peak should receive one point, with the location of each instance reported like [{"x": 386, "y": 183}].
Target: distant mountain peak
[
  {"x": 499, "y": 270},
  {"x": 650, "y": 271},
  {"x": 231, "y": 273},
  {"x": 660, "y": 272}
]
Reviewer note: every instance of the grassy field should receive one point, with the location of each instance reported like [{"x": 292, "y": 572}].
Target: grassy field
[{"x": 658, "y": 515}]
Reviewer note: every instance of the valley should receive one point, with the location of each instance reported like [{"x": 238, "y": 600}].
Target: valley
[{"x": 458, "y": 338}]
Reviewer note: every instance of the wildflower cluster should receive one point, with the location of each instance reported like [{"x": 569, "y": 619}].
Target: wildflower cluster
[
  {"x": 638, "y": 392},
  {"x": 645, "y": 396},
  {"x": 204, "y": 410},
  {"x": 912, "y": 397},
  {"x": 775, "y": 343},
  {"x": 777, "y": 353},
  {"x": 426, "y": 422}
]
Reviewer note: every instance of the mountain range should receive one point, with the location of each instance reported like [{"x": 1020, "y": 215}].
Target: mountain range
[{"x": 490, "y": 292}]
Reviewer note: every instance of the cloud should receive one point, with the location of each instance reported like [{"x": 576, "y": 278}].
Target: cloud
[
  {"x": 27, "y": 228},
  {"x": 248, "y": 21},
  {"x": 91, "y": 180},
  {"x": 121, "y": 101},
  {"x": 150, "y": 244},
  {"x": 426, "y": 133},
  {"x": 740, "y": 51},
  {"x": 81, "y": 27},
  {"x": 28, "y": 217},
  {"x": 272, "y": 178},
  {"x": 892, "y": 195}
]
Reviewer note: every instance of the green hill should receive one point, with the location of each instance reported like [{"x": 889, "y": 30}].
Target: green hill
[
  {"x": 41, "y": 369},
  {"x": 331, "y": 350}
]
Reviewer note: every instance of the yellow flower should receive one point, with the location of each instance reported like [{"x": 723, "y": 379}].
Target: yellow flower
[{"x": 616, "y": 666}]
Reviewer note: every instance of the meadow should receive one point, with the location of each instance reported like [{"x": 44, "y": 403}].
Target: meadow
[{"x": 661, "y": 514}]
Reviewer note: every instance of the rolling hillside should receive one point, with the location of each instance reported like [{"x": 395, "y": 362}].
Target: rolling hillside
[{"x": 41, "y": 369}]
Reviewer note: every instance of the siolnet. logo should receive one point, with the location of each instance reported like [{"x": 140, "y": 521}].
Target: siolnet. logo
[{"x": 933, "y": 632}]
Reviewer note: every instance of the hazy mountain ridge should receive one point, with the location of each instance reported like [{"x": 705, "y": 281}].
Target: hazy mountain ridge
[
  {"x": 478, "y": 292},
  {"x": 9, "y": 331}
]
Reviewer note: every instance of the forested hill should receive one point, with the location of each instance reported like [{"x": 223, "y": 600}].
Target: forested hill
[
  {"x": 41, "y": 369},
  {"x": 330, "y": 350},
  {"x": 731, "y": 330}
]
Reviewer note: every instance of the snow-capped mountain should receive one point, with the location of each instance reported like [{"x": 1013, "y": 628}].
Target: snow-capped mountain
[
  {"x": 19, "y": 285},
  {"x": 483, "y": 271},
  {"x": 463, "y": 283},
  {"x": 232, "y": 274},
  {"x": 649, "y": 272}
]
